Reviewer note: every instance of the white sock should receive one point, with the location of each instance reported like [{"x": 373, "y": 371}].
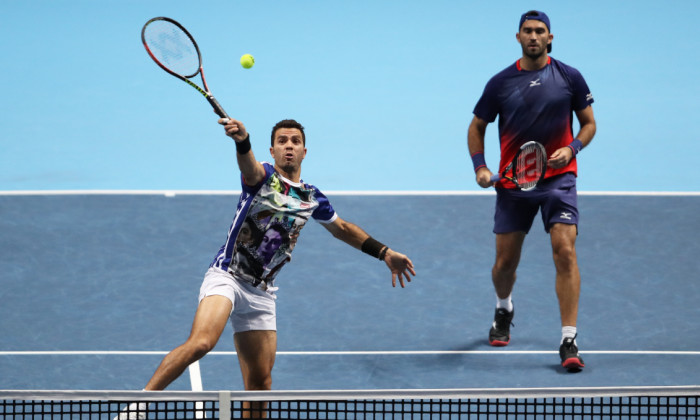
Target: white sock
[
  {"x": 568, "y": 332},
  {"x": 506, "y": 303}
]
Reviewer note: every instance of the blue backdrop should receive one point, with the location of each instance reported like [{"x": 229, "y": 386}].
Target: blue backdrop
[{"x": 385, "y": 89}]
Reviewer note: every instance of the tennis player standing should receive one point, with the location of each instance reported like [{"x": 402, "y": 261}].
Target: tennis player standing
[
  {"x": 273, "y": 207},
  {"x": 535, "y": 99}
]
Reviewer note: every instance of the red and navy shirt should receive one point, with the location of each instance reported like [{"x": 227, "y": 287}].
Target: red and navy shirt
[{"x": 534, "y": 105}]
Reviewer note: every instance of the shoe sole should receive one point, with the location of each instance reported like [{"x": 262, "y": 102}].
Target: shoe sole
[
  {"x": 499, "y": 343},
  {"x": 573, "y": 364}
]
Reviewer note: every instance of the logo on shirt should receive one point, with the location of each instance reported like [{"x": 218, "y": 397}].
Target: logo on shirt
[
  {"x": 535, "y": 83},
  {"x": 589, "y": 97},
  {"x": 565, "y": 215}
]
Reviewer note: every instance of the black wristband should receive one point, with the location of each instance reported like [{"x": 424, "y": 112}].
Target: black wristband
[
  {"x": 243, "y": 147},
  {"x": 382, "y": 254},
  {"x": 374, "y": 248}
]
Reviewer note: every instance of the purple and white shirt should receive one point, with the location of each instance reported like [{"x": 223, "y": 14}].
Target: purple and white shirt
[{"x": 266, "y": 226}]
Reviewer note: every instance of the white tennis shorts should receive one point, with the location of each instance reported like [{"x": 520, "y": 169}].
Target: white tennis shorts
[{"x": 253, "y": 308}]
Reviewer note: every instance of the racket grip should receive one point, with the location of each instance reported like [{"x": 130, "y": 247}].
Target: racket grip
[
  {"x": 495, "y": 178},
  {"x": 217, "y": 107}
]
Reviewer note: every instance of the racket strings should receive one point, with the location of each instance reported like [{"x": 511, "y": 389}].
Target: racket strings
[
  {"x": 529, "y": 166},
  {"x": 172, "y": 48}
]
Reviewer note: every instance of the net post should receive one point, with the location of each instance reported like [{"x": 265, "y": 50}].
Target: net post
[{"x": 224, "y": 405}]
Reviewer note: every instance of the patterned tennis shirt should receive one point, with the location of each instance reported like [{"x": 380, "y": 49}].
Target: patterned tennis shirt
[{"x": 266, "y": 226}]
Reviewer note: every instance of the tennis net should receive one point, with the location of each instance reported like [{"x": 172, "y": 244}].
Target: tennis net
[{"x": 679, "y": 402}]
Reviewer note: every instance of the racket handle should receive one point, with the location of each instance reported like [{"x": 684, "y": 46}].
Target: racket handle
[
  {"x": 495, "y": 178},
  {"x": 217, "y": 107}
]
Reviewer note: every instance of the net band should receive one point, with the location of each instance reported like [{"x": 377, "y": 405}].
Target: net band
[{"x": 625, "y": 402}]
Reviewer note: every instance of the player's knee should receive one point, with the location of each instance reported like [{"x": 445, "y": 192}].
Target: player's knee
[
  {"x": 565, "y": 256},
  {"x": 259, "y": 381},
  {"x": 200, "y": 347},
  {"x": 505, "y": 266}
]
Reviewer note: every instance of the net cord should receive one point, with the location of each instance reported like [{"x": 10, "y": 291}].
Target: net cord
[{"x": 388, "y": 394}]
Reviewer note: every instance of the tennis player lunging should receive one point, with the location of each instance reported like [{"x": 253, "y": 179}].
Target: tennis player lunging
[
  {"x": 535, "y": 99},
  {"x": 274, "y": 206}
]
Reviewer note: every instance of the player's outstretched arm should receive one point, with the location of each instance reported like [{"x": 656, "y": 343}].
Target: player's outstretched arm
[
  {"x": 400, "y": 265},
  {"x": 253, "y": 171}
]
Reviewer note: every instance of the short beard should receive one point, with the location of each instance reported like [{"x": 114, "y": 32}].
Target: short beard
[
  {"x": 534, "y": 56},
  {"x": 289, "y": 167}
]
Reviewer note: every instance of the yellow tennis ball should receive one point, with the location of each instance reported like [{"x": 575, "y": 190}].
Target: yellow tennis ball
[{"x": 247, "y": 61}]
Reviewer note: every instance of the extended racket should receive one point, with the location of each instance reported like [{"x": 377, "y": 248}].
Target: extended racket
[
  {"x": 175, "y": 51},
  {"x": 527, "y": 168}
]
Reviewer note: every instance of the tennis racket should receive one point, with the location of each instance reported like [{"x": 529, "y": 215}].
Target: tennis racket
[
  {"x": 527, "y": 168},
  {"x": 175, "y": 51}
]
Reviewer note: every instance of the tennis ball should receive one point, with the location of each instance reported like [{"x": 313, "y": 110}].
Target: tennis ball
[{"x": 247, "y": 61}]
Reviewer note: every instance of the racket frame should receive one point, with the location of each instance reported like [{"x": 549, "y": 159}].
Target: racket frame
[
  {"x": 513, "y": 167},
  {"x": 185, "y": 78}
]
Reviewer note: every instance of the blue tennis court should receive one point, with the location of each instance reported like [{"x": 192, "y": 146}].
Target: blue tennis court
[{"x": 97, "y": 287}]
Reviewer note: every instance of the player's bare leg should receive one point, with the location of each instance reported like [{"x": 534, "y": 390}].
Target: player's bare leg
[
  {"x": 568, "y": 280},
  {"x": 508, "y": 249},
  {"x": 209, "y": 322},
  {"x": 568, "y": 286},
  {"x": 256, "y": 355}
]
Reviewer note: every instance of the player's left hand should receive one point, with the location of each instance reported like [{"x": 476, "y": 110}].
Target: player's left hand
[
  {"x": 400, "y": 265},
  {"x": 560, "y": 158}
]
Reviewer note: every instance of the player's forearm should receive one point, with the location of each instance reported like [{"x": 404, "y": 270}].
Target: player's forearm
[
  {"x": 586, "y": 133},
  {"x": 588, "y": 126},
  {"x": 354, "y": 236},
  {"x": 351, "y": 234},
  {"x": 251, "y": 170},
  {"x": 475, "y": 142},
  {"x": 475, "y": 136}
]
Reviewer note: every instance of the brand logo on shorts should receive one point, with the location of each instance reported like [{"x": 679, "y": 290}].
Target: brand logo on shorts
[
  {"x": 535, "y": 82},
  {"x": 565, "y": 215}
]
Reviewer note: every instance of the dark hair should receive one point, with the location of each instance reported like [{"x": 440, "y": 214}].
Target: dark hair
[{"x": 287, "y": 124}]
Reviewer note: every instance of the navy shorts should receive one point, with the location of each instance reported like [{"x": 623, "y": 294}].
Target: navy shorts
[{"x": 555, "y": 197}]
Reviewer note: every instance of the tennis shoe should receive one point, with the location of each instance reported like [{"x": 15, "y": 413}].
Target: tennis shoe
[
  {"x": 499, "y": 335},
  {"x": 135, "y": 411},
  {"x": 570, "y": 359}
]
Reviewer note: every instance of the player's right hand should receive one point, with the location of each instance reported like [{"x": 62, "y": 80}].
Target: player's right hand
[
  {"x": 234, "y": 129},
  {"x": 483, "y": 177}
]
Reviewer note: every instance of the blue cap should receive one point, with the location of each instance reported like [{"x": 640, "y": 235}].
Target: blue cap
[{"x": 536, "y": 15}]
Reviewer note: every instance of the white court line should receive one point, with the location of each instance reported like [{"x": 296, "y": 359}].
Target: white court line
[
  {"x": 196, "y": 385},
  {"x": 196, "y": 376},
  {"x": 173, "y": 193},
  {"x": 349, "y": 353}
]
